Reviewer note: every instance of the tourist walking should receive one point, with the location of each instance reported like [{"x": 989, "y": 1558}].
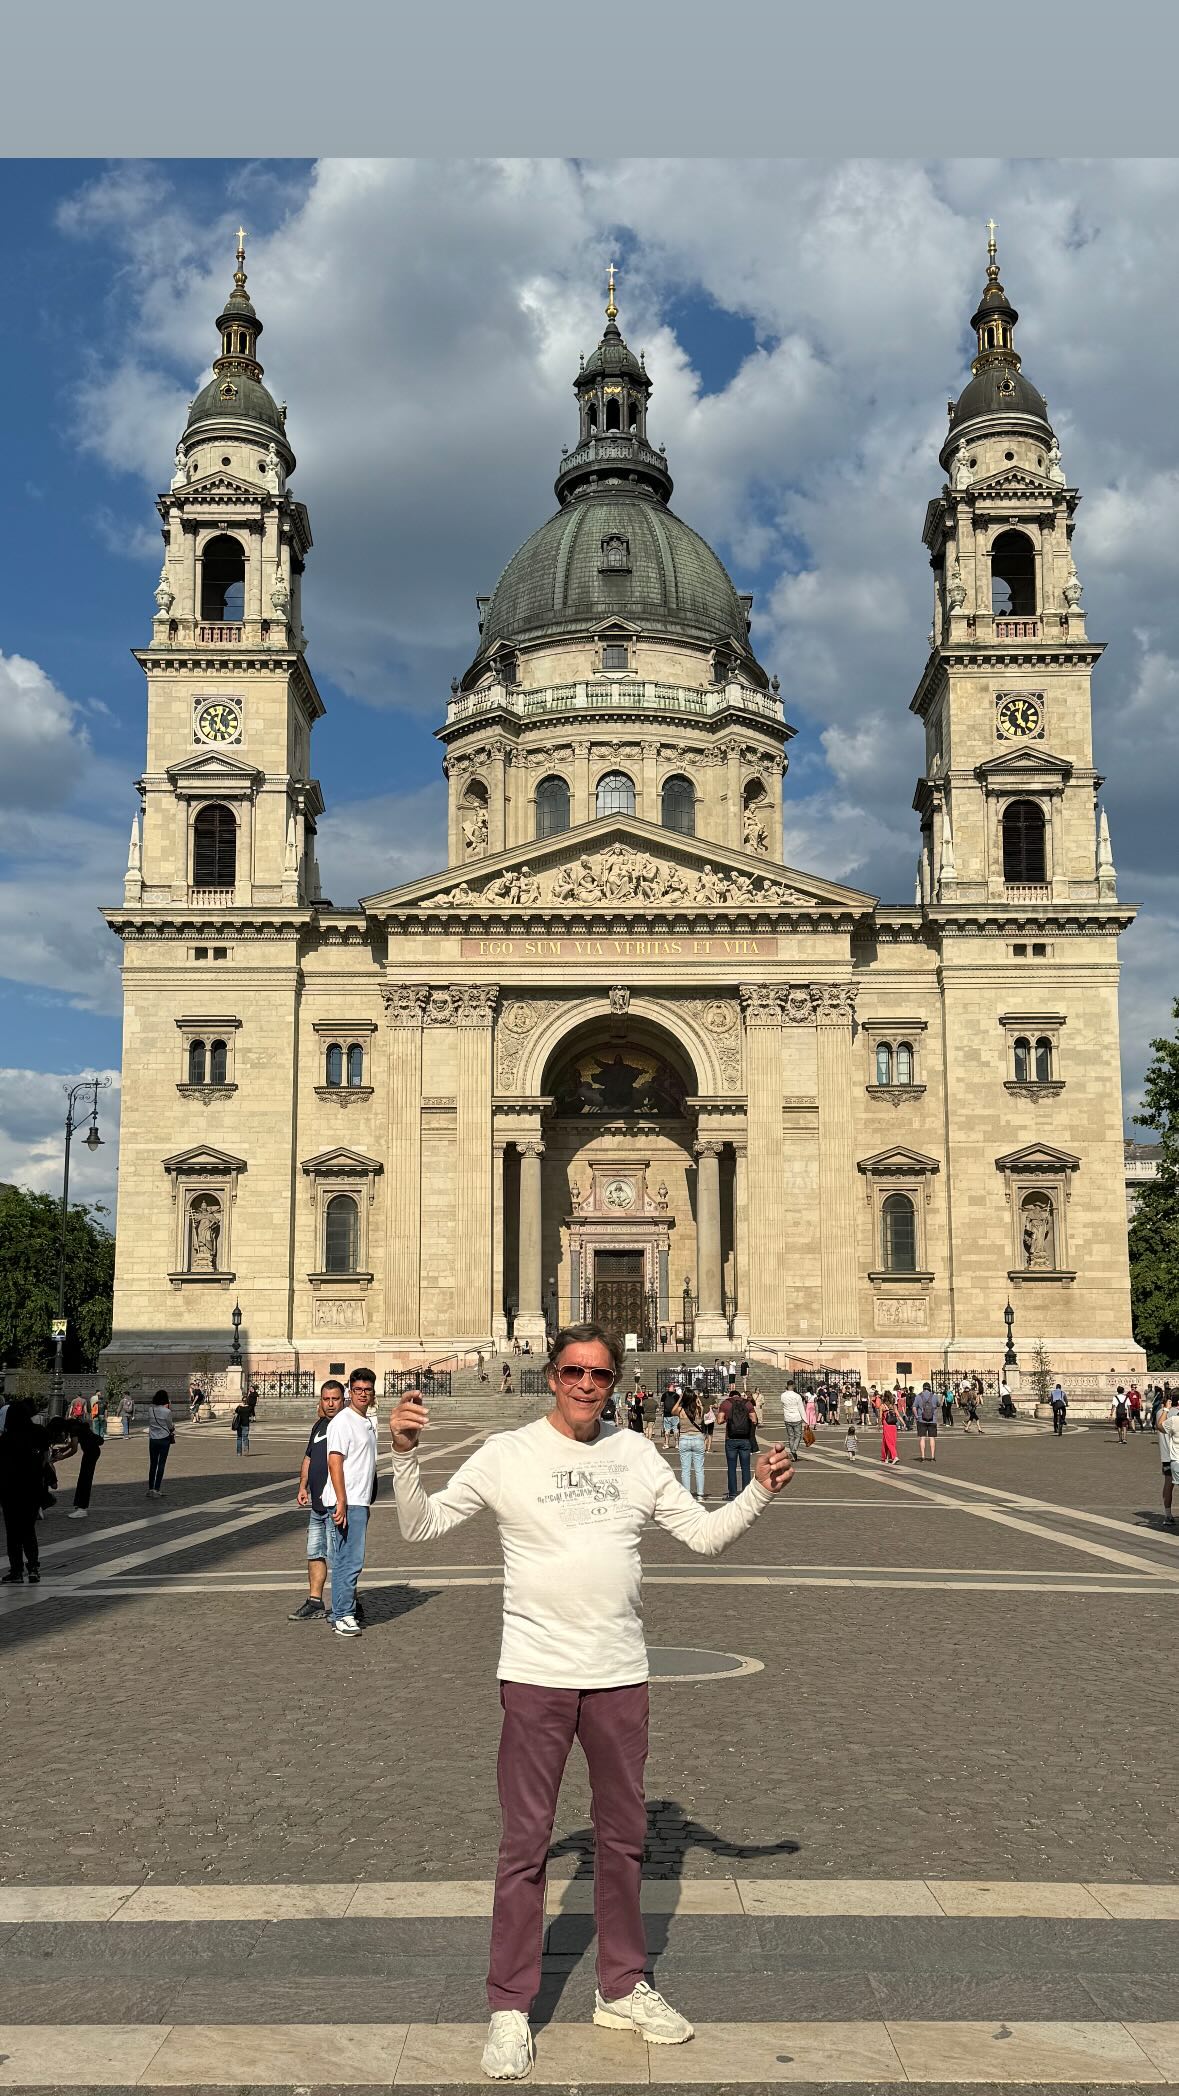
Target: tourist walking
[
  {"x": 650, "y": 1411},
  {"x": 347, "y": 1495},
  {"x": 196, "y": 1398},
  {"x": 691, "y": 1441},
  {"x": 925, "y": 1412},
  {"x": 671, "y": 1424},
  {"x": 1168, "y": 1433},
  {"x": 505, "y": 1374},
  {"x": 708, "y": 1423},
  {"x": 161, "y": 1434},
  {"x": 811, "y": 1411},
  {"x": 1134, "y": 1402},
  {"x": 1119, "y": 1412},
  {"x": 948, "y": 1405},
  {"x": 127, "y": 1414},
  {"x": 571, "y": 1498},
  {"x": 862, "y": 1404},
  {"x": 312, "y": 1479},
  {"x": 241, "y": 1427},
  {"x": 973, "y": 1409},
  {"x": 793, "y": 1419},
  {"x": 739, "y": 1416},
  {"x": 1059, "y": 1404},
  {"x": 24, "y": 1452},
  {"x": 888, "y": 1431},
  {"x": 851, "y": 1443}
]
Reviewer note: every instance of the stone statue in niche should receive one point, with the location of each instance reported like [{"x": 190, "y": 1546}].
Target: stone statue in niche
[
  {"x": 620, "y": 1000},
  {"x": 475, "y": 831},
  {"x": 280, "y": 595},
  {"x": 1055, "y": 469},
  {"x": 204, "y": 1234},
  {"x": 180, "y": 473},
  {"x": 272, "y": 471},
  {"x": 956, "y": 588},
  {"x": 1039, "y": 1249}
]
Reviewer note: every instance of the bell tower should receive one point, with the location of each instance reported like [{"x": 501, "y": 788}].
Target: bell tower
[
  {"x": 229, "y": 803},
  {"x": 1008, "y": 797}
]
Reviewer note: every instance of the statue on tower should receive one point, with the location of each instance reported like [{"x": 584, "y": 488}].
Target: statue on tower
[{"x": 165, "y": 595}]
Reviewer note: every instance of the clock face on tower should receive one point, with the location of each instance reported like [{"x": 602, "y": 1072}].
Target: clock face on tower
[
  {"x": 1018, "y": 716},
  {"x": 220, "y": 722}
]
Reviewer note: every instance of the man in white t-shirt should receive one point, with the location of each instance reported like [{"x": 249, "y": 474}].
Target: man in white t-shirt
[
  {"x": 793, "y": 1418},
  {"x": 347, "y": 1496},
  {"x": 571, "y": 1497},
  {"x": 1168, "y": 1433}
]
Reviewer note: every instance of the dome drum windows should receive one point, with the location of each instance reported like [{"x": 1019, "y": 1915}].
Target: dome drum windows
[
  {"x": 343, "y": 1051},
  {"x": 207, "y": 1057},
  {"x": 342, "y": 1187},
  {"x": 615, "y": 794},
  {"x": 1033, "y": 1063},
  {"x": 895, "y": 1058},
  {"x": 677, "y": 805},
  {"x": 552, "y": 806}
]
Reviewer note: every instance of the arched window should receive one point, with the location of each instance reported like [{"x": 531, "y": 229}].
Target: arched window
[
  {"x": 1013, "y": 575},
  {"x": 1023, "y": 1061},
  {"x": 552, "y": 806},
  {"x": 677, "y": 809},
  {"x": 616, "y": 794},
  {"x": 196, "y": 1062},
  {"x": 904, "y": 1063},
  {"x": 223, "y": 580},
  {"x": 341, "y": 1235},
  {"x": 218, "y": 1063},
  {"x": 335, "y": 1064},
  {"x": 214, "y": 847},
  {"x": 1043, "y": 1061},
  {"x": 1023, "y": 842},
  {"x": 356, "y": 1064},
  {"x": 899, "y": 1227},
  {"x": 613, "y": 414},
  {"x": 883, "y": 1063}
]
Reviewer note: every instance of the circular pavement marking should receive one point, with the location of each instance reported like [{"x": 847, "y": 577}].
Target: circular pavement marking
[{"x": 689, "y": 1663}]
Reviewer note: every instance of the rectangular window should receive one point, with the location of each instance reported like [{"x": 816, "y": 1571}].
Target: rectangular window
[
  {"x": 220, "y": 953},
  {"x": 1020, "y": 951},
  {"x": 615, "y": 657},
  {"x": 200, "y": 953},
  {"x": 1039, "y": 951}
]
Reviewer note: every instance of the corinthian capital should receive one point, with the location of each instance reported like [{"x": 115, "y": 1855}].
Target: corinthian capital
[
  {"x": 834, "y": 1003},
  {"x": 405, "y": 1003},
  {"x": 762, "y": 1003},
  {"x": 472, "y": 1004}
]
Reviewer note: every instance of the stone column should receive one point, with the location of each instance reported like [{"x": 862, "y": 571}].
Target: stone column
[
  {"x": 741, "y": 1237},
  {"x": 763, "y": 1005},
  {"x": 581, "y": 810},
  {"x": 834, "y": 1009},
  {"x": 530, "y": 1315},
  {"x": 405, "y": 1004},
  {"x": 499, "y": 1323},
  {"x": 497, "y": 798},
  {"x": 708, "y": 1235},
  {"x": 733, "y": 755},
  {"x": 649, "y": 810},
  {"x": 474, "y": 1010}
]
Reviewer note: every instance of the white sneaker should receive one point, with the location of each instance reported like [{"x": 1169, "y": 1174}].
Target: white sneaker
[
  {"x": 347, "y": 1626},
  {"x": 508, "y": 2053},
  {"x": 77, "y": 1513},
  {"x": 645, "y": 2013}
]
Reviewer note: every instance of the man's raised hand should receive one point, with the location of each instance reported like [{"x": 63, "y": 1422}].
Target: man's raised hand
[
  {"x": 407, "y": 1420},
  {"x": 774, "y": 1470}
]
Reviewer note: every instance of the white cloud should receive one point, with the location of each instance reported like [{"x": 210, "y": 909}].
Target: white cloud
[
  {"x": 32, "y": 1135},
  {"x": 43, "y": 745},
  {"x": 365, "y": 846}
]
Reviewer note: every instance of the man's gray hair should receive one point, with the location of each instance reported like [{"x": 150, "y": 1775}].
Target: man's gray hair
[{"x": 583, "y": 1335}]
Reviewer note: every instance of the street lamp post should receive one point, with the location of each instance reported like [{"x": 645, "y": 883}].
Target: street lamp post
[
  {"x": 75, "y": 1114},
  {"x": 235, "y": 1351},
  {"x": 1009, "y": 1359}
]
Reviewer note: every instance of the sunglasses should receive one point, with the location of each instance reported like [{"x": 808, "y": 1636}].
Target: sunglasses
[{"x": 601, "y": 1378}]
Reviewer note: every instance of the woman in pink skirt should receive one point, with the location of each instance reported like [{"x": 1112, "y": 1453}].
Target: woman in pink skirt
[
  {"x": 812, "y": 1411},
  {"x": 888, "y": 1431}
]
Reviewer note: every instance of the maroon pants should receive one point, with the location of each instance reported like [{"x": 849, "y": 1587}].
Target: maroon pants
[{"x": 540, "y": 1725}]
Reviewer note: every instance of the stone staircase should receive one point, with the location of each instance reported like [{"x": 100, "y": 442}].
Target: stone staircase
[{"x": 482, "y": 1403}]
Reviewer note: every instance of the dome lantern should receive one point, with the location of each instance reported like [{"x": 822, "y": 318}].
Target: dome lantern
[
  {"x": 236, "y": 395},
  {"x": 997, "y": 395},
  {"x": 612, "y": 390}
]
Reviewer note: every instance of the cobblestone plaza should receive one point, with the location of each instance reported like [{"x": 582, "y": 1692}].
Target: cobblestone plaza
[{"x": 917, "y": 1830}]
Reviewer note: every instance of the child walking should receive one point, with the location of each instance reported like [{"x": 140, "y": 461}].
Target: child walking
[{"x": 851, "y": 1444}]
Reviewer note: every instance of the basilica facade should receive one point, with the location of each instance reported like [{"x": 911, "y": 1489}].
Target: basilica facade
[{"x": 615, "y": 1058}]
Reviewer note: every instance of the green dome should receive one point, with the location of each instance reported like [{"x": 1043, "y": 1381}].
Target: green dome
[
  {"x": 559, "y": 582},
  {"x": 249, "y": 402},
  {"x": 997, "y": 393}
]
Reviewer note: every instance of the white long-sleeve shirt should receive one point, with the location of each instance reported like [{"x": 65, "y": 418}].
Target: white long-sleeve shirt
[{"x": 570, "y": 1516}]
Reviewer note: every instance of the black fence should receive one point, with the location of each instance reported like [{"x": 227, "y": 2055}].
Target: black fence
[
  {"x": 432, "y": 1382},
  {"x": 280, "y": 1382},
  {"x": 947, "y": 1379},
  {"x": 531, "y": 1382},
  {"x": 827, "y": 1379},
  {"x": 714, "y": 1382}
]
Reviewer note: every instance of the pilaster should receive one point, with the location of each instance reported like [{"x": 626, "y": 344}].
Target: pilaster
[
  {"x": 473, "y": 1015},
  {"x": 763, "y": 1005},
  {"x": 405, "y": 1004},
  {"x": 834, "y": 1007}
]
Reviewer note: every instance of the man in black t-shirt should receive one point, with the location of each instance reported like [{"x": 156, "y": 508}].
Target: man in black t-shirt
[{"x": 312, "y": 1479}]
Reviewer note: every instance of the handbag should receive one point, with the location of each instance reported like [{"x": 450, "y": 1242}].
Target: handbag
[{"x": 808, "y": 1437}]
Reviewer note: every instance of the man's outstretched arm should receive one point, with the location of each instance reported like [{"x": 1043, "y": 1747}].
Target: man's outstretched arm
[
  {"x": 424, "y": 1516},
  {"x": 710, "y": 1533}
]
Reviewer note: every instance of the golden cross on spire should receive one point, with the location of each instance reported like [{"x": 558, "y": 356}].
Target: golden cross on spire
[
  {"x": 992, "y": 229},
  {"x": 611, "y": 308}
]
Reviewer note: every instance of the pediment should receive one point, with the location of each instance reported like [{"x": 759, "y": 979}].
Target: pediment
[
  {"x": 213, "y": 764},
  {"x": 222, "y": 483},
  {"x": 204, "y": 1158},
  {"x": 1038, "y": 1157},
  {"x": 1031, "y": 759},
  {"x": 342, "y": 1160},
  {"x": 1014, "y": 484},
  {"x": 898, "y": 1159},
  {"x": 620, "y": 863}
]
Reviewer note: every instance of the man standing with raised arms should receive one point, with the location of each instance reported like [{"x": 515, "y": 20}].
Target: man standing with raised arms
[{"x": 571, "y": 1496}]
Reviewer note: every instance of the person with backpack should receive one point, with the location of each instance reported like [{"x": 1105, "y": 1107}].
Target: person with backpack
[
  {"x": 1119, "y": 1412},
  {"x": 241, "y": 1427},
  {"x": 1059, "y": 1404},
  {"x": 739, "y": 1417},
  {"x": 925, "y": 1414}
]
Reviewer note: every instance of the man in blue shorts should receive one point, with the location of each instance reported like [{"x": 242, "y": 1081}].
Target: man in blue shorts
[{"x": 312, "y": 1479}]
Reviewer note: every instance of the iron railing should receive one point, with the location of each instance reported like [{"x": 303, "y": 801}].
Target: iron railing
[
  {"x": 432, "y": 1382},
  {"x": 284, "y": 1383}
]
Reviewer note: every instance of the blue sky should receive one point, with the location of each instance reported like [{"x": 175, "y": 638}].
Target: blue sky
[{"x": 804, "y": 324}]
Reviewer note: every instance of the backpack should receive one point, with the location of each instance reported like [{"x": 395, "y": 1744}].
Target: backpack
[
  {"x": 740, "y": 1421},
  {"x": 241, "y": 1418}
]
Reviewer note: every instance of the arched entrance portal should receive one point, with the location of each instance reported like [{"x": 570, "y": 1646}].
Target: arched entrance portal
[{"x": 625, "y": 1210}]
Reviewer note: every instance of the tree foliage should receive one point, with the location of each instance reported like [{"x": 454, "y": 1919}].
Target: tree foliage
[
  {"x": 30, "y": 1241},
  {"x": 1154, "y": 1233}
]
